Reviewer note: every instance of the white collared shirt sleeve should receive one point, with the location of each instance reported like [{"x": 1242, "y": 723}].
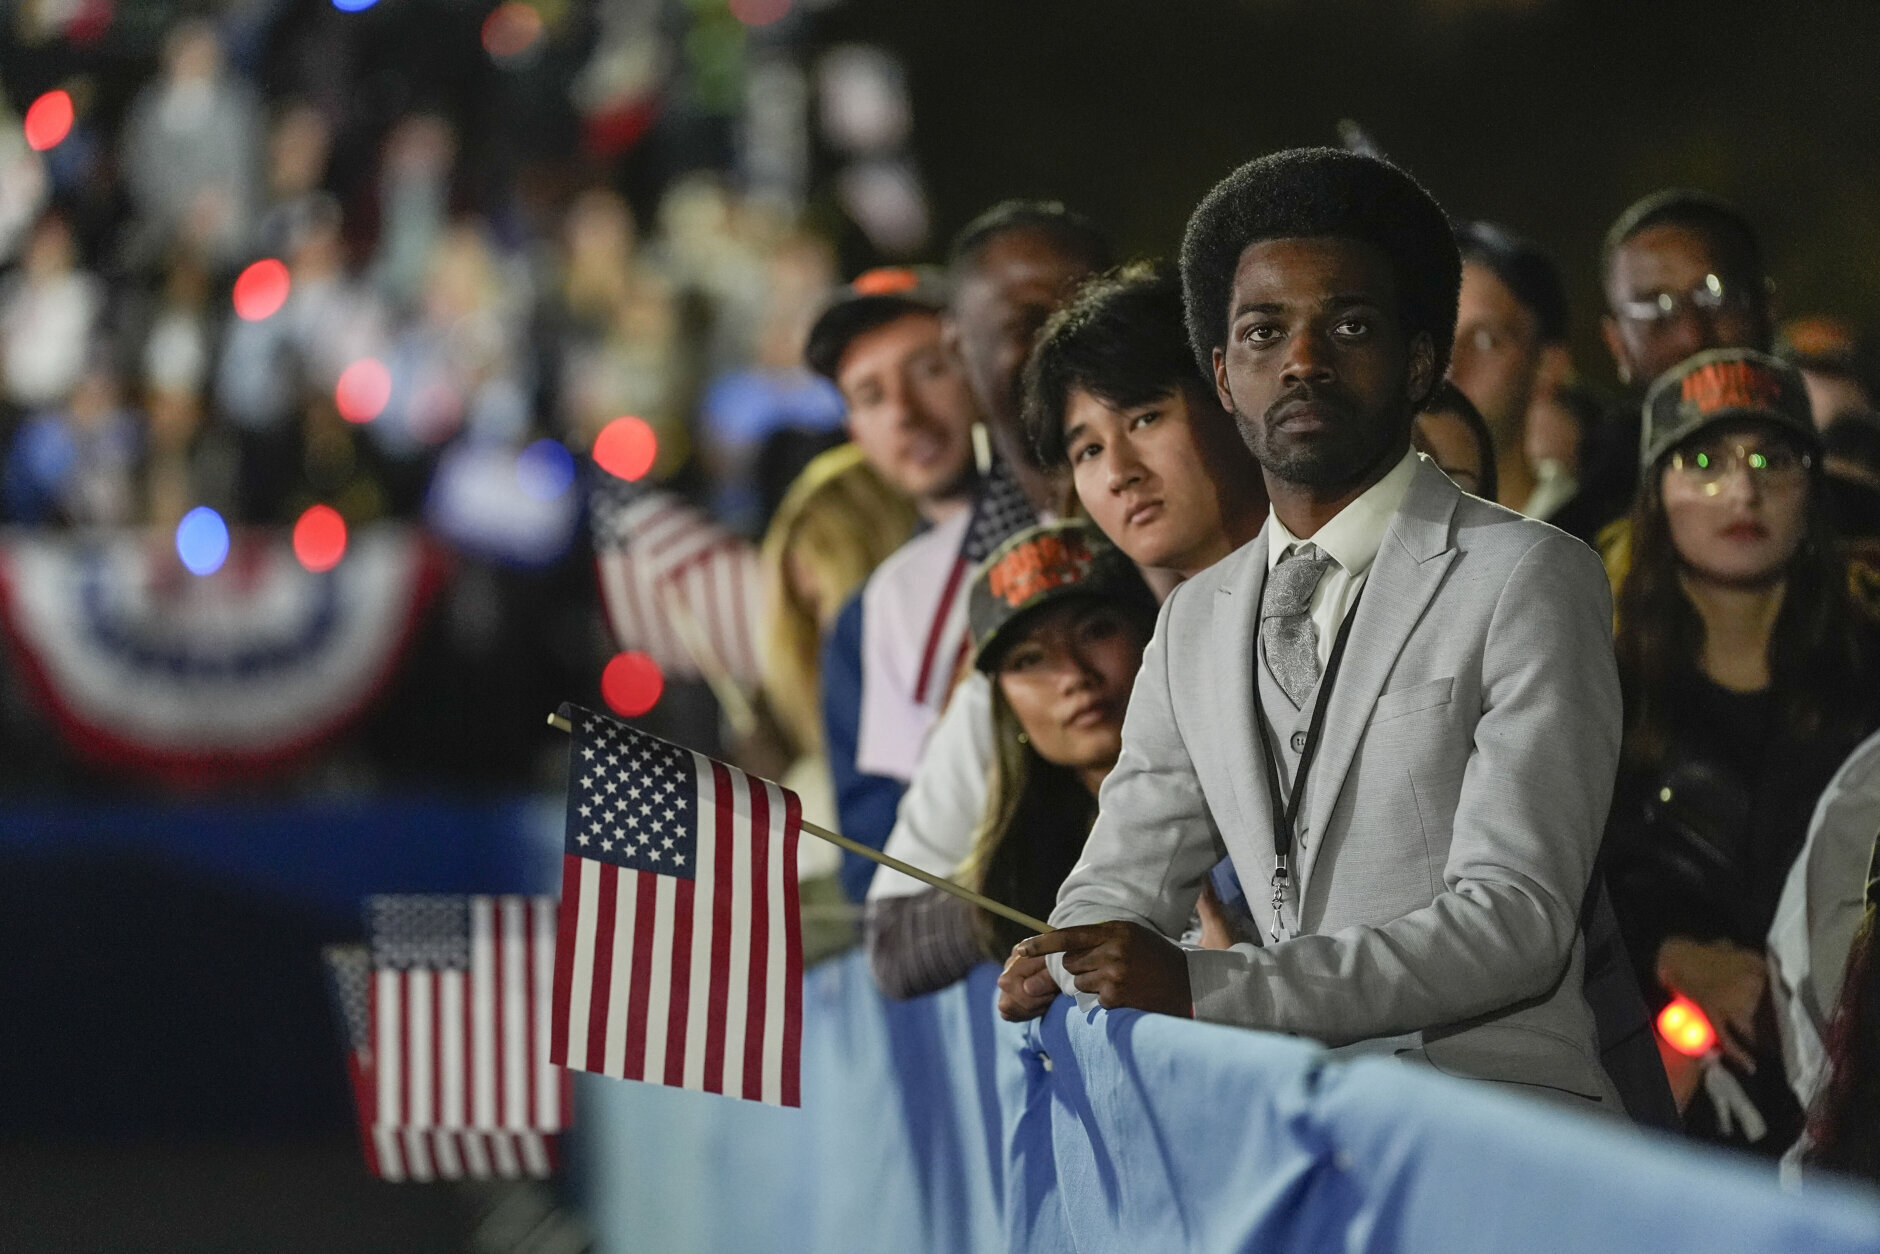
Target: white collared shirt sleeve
[{"x": 945, "y": 804}]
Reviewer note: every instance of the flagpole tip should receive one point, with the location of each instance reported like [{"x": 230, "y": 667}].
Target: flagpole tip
[{"x": 559, "y": 723}]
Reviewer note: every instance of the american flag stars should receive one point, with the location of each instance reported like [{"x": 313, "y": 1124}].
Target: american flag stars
[{"x": 632, "y": 803}]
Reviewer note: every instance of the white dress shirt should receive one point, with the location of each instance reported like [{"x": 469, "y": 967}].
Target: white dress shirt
[
  {"x": 942, "y": 809},
  {"x": 1351, "y": 539}
]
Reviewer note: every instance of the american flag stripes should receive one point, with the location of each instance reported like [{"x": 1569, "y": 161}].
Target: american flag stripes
[
  {"x": 673, "y": 581},
  {"x": 1000, "y": 510},
  {"x": 679, "y": 959},
  {"x": 448, "y": 1015}
]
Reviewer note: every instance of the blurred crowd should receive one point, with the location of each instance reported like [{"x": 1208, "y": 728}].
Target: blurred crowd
[
  {"x": 140, "y": 379},
  {"x": 200, "y": 308}
]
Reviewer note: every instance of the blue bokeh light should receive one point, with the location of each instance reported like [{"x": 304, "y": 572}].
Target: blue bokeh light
[
  {"x": 202, "y": 541},
  {"x": 545, "y": 470},
  {"x": 353, "y": 6}
]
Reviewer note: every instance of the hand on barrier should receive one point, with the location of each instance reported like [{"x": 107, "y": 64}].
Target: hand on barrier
[
  {"x": 1026, "y": 989},
  {"x": 1124, "y": 964}
]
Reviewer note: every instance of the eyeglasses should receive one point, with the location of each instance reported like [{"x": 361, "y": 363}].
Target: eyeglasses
[
  {"x": 1708, "y": 296},
  {"x": 1773, "y": 465}
]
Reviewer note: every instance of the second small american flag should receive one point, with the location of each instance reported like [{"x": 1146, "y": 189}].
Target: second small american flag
[{"x": 679, "y": 958}]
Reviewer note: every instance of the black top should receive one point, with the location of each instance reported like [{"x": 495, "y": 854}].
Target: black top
[{"x": 1701, "y": 846}]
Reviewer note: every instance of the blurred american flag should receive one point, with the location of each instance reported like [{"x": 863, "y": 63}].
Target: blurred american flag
[
  {"x": 677, "y": 584},
  {"x": 447, "y": 1021}
]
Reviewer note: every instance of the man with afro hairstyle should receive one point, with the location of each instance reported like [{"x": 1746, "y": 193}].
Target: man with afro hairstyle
[{"x": 1396, "y": 710}]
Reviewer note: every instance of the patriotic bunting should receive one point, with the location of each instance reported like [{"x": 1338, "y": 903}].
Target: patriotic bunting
[{"x": 200, "y": 680}]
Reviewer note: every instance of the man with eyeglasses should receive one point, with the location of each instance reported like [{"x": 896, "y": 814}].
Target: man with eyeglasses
[{"x": 1683, "y": 272}]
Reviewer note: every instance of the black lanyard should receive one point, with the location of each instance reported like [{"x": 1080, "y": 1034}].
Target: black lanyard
[{"x": 1286, "y": 812}]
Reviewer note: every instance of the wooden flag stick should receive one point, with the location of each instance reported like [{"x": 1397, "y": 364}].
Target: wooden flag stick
[{"x": 894, "y": 864}]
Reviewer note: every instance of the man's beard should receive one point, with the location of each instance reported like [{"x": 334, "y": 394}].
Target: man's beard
[{"x": 1335, "y": 457}]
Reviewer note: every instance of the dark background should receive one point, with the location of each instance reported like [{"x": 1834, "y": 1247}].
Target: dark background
[{"x": 1550, "y": 117}]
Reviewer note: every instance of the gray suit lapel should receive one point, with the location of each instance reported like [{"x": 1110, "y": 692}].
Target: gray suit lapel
[
  {"x": 1235, "y": 630},
  {"x": 1404, "y": 576}
]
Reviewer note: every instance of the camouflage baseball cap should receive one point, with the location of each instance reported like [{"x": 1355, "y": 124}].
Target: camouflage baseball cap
[
  {"x": 1039, "y": 567},
  {"x": 1725, "y": 385}
]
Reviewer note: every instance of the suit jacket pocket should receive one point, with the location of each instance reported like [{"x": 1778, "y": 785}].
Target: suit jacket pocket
[
  {"x": 1410, "y": 700},
  {"x": 1517, "y": 1055}
]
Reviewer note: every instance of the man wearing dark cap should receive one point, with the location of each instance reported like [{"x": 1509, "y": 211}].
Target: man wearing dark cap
[
  {"x": 1683, "y": 271},
  {"x": 1396, "y": 710},
  {"x": 882, "y": 342},
  {"x": 1511, "y": 322}
]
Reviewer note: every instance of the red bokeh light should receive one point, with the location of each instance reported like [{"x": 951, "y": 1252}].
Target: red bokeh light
[
  {"x": 48, "y": 121},
  {"x": 511, "y": 30},
  {"x": 320, "y": 538},
  {"x": 626, "y": 448},
  {"x": 261, "y": 290},
  {"x": 364, "y": 390},
  {"x": 1685, "y": 1028},
  {"x": 632, "y": 684}
]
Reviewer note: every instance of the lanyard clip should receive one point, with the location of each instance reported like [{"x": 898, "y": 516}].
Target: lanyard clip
[{"x": 1281, "y": 875}]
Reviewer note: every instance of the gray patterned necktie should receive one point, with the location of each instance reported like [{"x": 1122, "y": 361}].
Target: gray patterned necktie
[{"x": 1286, "y": 627}]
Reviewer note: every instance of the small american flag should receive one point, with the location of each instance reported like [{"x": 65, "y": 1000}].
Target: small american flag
[
  {"x": 1000, "y": 510},
  {"x": 660, "y": 560},
  {"x": 680, "y": 957},
  {"x": 447, "y": 1016}
]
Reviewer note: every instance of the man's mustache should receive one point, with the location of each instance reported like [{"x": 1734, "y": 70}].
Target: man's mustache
[{"x": 1330, "y": 398}]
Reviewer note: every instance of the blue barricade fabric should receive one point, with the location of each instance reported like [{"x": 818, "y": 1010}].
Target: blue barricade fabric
[
  {"x": 932, "y": 1125},
  {"x": 1170, "y": 1135},
  {"x": 898, "y": 1145}
]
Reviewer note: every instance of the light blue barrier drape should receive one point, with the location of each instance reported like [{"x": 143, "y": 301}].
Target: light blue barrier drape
[{"x": 933, "y": 1125}]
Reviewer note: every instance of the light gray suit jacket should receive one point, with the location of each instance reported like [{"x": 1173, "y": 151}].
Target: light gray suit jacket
[{"x": 1452, "y": 816}]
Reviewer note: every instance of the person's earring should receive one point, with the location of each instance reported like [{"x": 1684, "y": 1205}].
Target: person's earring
[{"x": 1023, "y": 739}]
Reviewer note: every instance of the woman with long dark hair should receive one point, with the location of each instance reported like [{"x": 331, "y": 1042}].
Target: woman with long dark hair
[
  {"x": 1059, "y": 619},
  {"x": 1747, "y": 679}
]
